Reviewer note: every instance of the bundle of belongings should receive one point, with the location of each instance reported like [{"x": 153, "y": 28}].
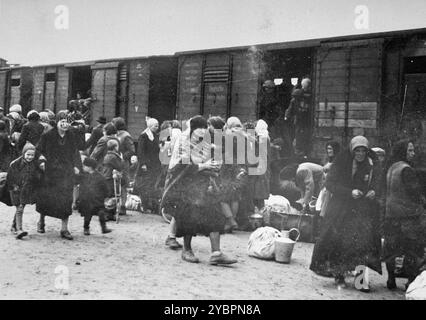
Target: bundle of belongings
[{"x": 279, "y": 214}]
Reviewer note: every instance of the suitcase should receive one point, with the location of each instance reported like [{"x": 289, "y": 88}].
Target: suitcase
[{"x": 295, "y": 219}]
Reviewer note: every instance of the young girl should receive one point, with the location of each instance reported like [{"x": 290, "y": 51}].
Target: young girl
[{"x": 22, "y": 178}]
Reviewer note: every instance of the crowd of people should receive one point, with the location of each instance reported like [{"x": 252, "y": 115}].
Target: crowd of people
[{"x": 210, "y": 175}]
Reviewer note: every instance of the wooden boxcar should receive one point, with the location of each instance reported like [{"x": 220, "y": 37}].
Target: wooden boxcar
[
  {"x": 129, "y": 87},
  {"x": 372, "y": 84},
  {"x": 16, "y": 87}
]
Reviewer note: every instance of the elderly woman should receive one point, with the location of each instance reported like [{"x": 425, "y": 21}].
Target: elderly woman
[
  {"x": 349, "y": 236},
  {"x": 149, "y": 166},
  {"x": 405, "y": 217},
  {"x": 190, "y": 190},
  {"x": 60, "y": 148}
]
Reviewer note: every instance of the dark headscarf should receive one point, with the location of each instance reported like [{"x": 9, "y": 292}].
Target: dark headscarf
[
  {"x": 216, "y": 122},
  {"x": 336, "y": 148},
  {"x": 2, "y": 125},
  {"x": 197, "y": 122},
  {"x": 110, "y": 129},
  {"x": 119, "y": 123}
]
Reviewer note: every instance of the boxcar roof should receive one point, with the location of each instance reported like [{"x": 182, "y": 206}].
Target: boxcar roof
[
  {"x": 310, "y": 42},
  {"x": 91, "y": 62}
]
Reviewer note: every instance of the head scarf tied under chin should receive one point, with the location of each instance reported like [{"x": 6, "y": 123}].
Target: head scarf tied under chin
[
  {"x": 150, "y": 123},
  {"x": 234, "y": 123},
  {"x": 358, "y": 141}
]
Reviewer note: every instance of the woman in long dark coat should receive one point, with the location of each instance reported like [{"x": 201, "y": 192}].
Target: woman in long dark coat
[
  {"x": 349, "y": 235},
  {"x": 149, "y": 170},
  {"x": 195, "y": 199},
  {"x": 60, "y": 148},
  {"x": 405, "y": 217},
  {"x": 5, "y": 148}
]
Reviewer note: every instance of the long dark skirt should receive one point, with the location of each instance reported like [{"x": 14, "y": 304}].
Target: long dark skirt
[
  {"x": 348, "y": 241},
  {"x": 146, "y": 187},
  {"x": 197, "y": 220},
  {"x": 54, "y": 198}
]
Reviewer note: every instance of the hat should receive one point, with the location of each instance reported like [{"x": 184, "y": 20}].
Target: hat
[
  {"x": 379, "y": 151},
  {"x": 358, "y": 141},
  {"x": 269, "y": 84},
  {"x": 28, "y": 146},
  {"x": 16, "y": 108},
  {"x": 33, "y": 115},
  {"x": 102, "y": 120},
  {"x": 197, "y": 122},
  {"x": 89, "y": 162}
]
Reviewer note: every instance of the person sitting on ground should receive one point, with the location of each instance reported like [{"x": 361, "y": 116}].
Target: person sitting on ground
[{"x": 93, "y": 192}]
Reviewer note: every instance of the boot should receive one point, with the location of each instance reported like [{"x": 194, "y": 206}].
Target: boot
[
  {"x": 102, "y": 222},
  {"x": 87, "y": 231},
  {"x": 13, "y": 228},
  {"x": 18, "y": 215},
  {"x": 172, "y": 243},
  {"x": 122, "y": 211}
]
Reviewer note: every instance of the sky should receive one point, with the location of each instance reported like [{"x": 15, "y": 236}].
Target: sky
[{"x": 100, "y": 29}]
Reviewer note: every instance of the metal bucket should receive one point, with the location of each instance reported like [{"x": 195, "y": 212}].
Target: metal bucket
[{"x": 283, "y": 249}]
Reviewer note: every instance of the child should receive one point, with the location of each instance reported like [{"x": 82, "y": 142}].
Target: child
[
  {"x": 22, "y": 178},
  {"x": 93, "y": 191},
  {"x": 113, "y": 162}
]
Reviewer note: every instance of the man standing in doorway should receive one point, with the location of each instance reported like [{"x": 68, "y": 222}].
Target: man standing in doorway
[{"x": 299, "y": 112}]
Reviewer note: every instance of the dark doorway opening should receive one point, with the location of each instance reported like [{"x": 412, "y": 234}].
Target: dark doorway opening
[
  {"x": 287, "y": 68},
  {"x": 413, "y": 111},
  {"x": 81, "y": 82}
]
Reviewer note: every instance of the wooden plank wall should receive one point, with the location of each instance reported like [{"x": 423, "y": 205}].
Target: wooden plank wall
[
  {"x": 104, "y": 89},
  {"x": 244, "y": 86},
  {"x": 139, "y": 74},
  {"x": 62, "y": 88},
  {"x": 3, "y": 90},
  {"x": 189, "y": 86},
  {"x": 348, "y": 92},
  {"x": 215, "y": 101},
  {"x": 38, "y": 88},
  {"x": 15, "y": 91}
]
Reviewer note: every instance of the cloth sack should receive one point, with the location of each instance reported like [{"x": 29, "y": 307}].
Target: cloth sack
[
  {"x": 133, "y": 202},
  {"x": 261, "y": 243},
  {"x": 417, "y": 289}
]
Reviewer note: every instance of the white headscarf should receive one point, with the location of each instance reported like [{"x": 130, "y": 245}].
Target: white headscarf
[
  {"x": 261, "y": 128},
  {"x": 233, "y": 123},
  {"x": 150, "y": 122}
]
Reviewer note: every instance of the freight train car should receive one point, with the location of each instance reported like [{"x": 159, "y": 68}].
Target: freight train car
[
  {"x": 372, "y": 84},
  {"x": 16, "y": 87},
  {"x": 129, "y": 87}
]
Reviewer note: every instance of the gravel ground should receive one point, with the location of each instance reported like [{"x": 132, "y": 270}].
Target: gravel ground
[{"x": 133, "y": 263}]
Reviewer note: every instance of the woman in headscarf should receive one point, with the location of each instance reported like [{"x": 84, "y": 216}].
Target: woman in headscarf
[
  {"x": 349, "y": 235},
  {"x": 190, "y": 190},
  {"x": 260, "y": 181},
  {"x": 5, "y": 148},
  {"x": 405, "y": 217},
  {"x": 233, "y": 172},
  {"x": 59, "y": 147},
  {"x": 149, "y": 166},
  {"x": 45, "y": 121},
  {"x": 332, "y": 149}
]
